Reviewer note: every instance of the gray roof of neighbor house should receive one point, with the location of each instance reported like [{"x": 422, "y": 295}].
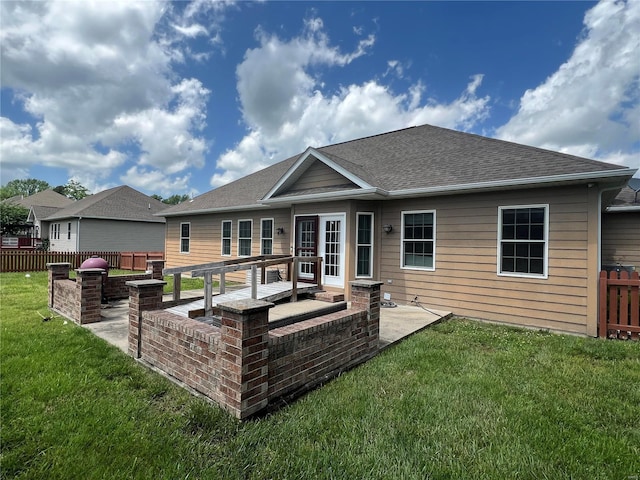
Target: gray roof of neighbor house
[
  {"x": 119, "y": 203},
  {"x": 410, "y": 162},
  {"x": 45, "y": 198},
  {"x": 40, "y": 212},
  {"x": 629, "y": 197}
]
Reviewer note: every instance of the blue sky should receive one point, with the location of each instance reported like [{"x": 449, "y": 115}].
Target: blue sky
[{"x": 175, "y": 98}]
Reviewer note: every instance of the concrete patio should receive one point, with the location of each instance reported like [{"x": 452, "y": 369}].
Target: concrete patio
[{"x": 396, "y": 323}]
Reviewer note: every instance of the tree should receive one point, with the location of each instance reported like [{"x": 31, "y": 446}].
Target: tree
[
  {"x": 12, "y": 218},
  {"x": 25, "y": 187},
  {"x": 172, "y": 200},
  {"x": 74, "y": 190},
  {"x": 175, "y": 199}
]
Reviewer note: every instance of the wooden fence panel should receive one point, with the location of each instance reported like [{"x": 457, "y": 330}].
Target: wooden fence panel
[
  {"x": 36, "y": 261},
  {"x": 619, "y": 315},
  {"x": 138, "y": 260}
]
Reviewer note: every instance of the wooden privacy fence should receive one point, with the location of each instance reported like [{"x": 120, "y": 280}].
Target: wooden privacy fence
[
  {"x": 138, "y": 260},
  {"x": 35, "y": 261},
  {"x": 619, "y": 315}
]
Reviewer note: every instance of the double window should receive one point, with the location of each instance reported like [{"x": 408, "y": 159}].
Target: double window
[
  {"x": 418, "y": 240},
  {"x": 55, "y": 231},
  {"x": 244, "y": 237},
  {"x": 226, "y": 237},
  {"x": 185, "y": 237},
  {"x": 266, "y": 236},
  {"x": 523, "y": 240},
  {"x": 364, "y": 245}
]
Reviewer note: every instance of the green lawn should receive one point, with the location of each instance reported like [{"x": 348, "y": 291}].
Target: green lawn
[{"x": 461, "y": 400}]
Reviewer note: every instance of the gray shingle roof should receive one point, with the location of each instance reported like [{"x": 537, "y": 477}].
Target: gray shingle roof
[
  {"x": 41, "y": 212},
  {"x": 421, "y": 157},
  {"x": 119, "y": 203},
  {"x": 45, "y": 198}
]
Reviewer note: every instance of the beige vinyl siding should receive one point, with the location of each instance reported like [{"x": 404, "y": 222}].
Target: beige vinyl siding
[
  {"x": 466, "y": 281},
  {"x": 120, "y": 236},
  {"x": 319, "y": 175},
  {"x": 621, "y": 238},
  {"x": 206, "y": 237}
]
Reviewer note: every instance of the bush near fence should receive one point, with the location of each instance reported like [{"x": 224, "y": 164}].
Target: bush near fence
[{"x": 34, "y": 261}]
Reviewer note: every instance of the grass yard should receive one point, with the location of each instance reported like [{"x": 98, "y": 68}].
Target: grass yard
[{"x": 461, "y": 400}]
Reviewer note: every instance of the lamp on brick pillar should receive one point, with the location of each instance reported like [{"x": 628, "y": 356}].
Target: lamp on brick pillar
[{"x": 244, "y": 350}]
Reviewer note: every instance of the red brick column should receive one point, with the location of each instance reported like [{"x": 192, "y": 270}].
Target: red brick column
[
  {"x": 155, "y": 267},
  {"x": 57, "y": 271},
  {"x": 143, "y": 295},
  {"x": 89, "y": 287},
  {"x": 365, "y": 294},
  {"x": 244, "y": 353}
]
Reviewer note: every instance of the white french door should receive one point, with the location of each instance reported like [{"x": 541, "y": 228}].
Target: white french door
[
  {"x": 323, "y": 236},
  {"x": 332, "y": 249}
]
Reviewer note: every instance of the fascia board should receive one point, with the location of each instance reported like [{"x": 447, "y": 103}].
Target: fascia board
[
  {"x": 342, "y": 195},
  {"x": 629, "y": 208}
]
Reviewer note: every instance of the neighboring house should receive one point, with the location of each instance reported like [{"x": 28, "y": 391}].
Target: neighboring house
[
  {"x": 621, "y": 229},
  {"x": 119, "y": 219},
  {"x": 40, "y": 205},
  {"x": 482, "y": 227}
]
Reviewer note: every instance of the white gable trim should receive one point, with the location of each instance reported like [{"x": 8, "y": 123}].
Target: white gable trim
[{"x": 304, "y": 161}]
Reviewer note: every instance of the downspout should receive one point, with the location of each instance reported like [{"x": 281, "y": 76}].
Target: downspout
[{"x": 78, "y": 235}]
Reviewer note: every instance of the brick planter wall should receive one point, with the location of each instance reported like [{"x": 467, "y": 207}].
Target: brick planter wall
[{"x": 242, "y": 365}]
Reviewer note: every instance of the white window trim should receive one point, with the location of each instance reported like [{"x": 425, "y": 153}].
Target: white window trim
[
  {"x": 222, "y": 238},
  {"x": 358, "y": 215},
  {"x": 182, "y": 238},
  {"x": 422, "y": 269},
  {"x": 273, "y": 223},
  {"x": 244, "y": 238},
  {"x": 545, "y": 275}
]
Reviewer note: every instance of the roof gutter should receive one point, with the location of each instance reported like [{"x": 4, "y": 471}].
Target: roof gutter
[
  {"x": 203, "y": 211},
  {"x": 519, "y": 182}
]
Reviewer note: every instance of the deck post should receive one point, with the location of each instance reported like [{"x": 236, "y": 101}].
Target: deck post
[
  {"x": 177, "y": 277},
  {"x": 294, "y": 281},
  {"x": 222, "y": 283},
  {"x": 208, "y": 294},
  {"x": 319, "y": 272},
  {"x": 254, "y": 282}
]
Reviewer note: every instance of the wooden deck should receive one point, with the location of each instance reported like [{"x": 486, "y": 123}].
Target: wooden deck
[{"x": 270, "y": 292}]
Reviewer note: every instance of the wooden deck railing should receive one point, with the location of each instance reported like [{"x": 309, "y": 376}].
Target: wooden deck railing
[
  {"x": 619, "y": 315},
  {"x": 207, "y": 270}
]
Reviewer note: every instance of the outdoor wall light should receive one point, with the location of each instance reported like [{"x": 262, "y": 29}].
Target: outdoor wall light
[
  {"x": 387, "y": 228},
  {"x": 280, "y": 230}
]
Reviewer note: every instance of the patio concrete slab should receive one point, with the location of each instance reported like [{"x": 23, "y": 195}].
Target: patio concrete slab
[{"x": 396, "y": 323}]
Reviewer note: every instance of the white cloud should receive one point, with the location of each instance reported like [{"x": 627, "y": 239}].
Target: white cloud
[
  {"x": 157, "y": 182},
  {"x": 286, "y": 109},
  {"x": 591, "y": 105},
  {"x": 97, "y": 78}
]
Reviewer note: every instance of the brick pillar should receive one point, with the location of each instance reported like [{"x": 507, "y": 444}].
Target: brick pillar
[
  {"x": 244, "y": 351},
  {"x": 155, "y": 267},
  {"x": 89, "y": 287},
  {"x": 365, "y": 294},
  {"x": 57, "y": 271},
  {"x": 143, "y": 295}
]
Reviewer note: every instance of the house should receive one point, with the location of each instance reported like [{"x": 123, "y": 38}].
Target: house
[
  {"x": 118, "y": 219},
  {"x": 40, "y": 205},
  {"x": 621, "y": 229},
  {"x": 485, "y": 228}
]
